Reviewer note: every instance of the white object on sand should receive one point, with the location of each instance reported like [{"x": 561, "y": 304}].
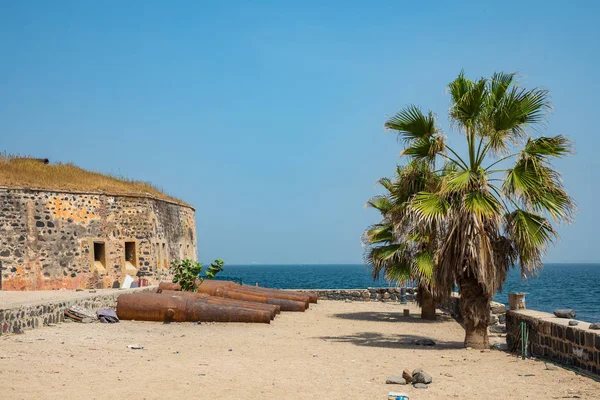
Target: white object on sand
[{"x": 127, "y": 282}]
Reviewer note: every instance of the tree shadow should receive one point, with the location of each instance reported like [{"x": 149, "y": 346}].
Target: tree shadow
[
  {"x": 377, "y": 316},
  {"x": 374, "y": 339}
]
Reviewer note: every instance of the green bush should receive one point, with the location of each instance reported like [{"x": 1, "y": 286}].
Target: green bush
[{"x": 187, "y": 273}]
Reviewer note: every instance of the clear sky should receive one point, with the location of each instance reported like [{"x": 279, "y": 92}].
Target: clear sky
[{"x": 268, "y": 116}]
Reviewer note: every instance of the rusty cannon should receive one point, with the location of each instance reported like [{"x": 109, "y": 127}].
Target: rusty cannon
[
  {"x": 312, "y": 297},
  {"x": 308, "y": 297},
  {"x": 271, "y": 308},
  {"x": 183, "y": 308},
  {"x": 230, "y": 290},
  {"x": 284, "y": 304}
]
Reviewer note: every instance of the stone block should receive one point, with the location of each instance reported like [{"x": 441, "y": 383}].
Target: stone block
[
  {"x": 589, "y": 339},
  {"x": 497, "y": 308},
  {"x": 570, "y": 335},
  {"x": 493, "y": 320}
]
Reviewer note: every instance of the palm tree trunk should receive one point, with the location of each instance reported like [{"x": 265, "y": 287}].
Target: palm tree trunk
[
  {"x": 474, "y": 307},
  {"x": 427, "y": 304}
]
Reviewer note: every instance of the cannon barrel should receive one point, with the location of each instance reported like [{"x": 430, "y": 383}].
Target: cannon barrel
[
  {"x": 177, "y": 308},
  {"x": 151, "y": 307},
  {"x": 271, "y": 308},
  {"x": 284, "y": 304},
  {"x": 272, "y": 293},
  {"x": 312, "y": 296},
  {"x": 232, "y": 290},
  {"x": 300, "y": 296},
  {"x": 292, "y": 295},
  {"x": 169, "y": 286},
  {"x": 308, "y": 297}
]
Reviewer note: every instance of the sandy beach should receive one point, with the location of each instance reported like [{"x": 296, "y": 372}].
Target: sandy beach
[{"x": 335, "y": 350}]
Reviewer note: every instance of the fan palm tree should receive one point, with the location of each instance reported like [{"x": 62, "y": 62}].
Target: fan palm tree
[
  {"x": 495, "y": 207},
  {"x": 402, "y": 253}
]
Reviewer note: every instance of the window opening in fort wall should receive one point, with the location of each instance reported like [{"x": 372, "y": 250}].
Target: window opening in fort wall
[
  {"x": 99, "y": 257},
  {"x": 158, "y": 257},
  {"x": 131, "y": 258},
  {"x": 52, "y": 239}
]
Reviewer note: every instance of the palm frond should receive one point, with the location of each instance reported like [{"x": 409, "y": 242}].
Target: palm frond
[
  {"x": 557, "y": 146},
  {"x": 539, "y": 188},
  {"x": 379, "y": 234},
  {"x": 380, "y": 258},
  {"x": 482, "y": 204},
  {"x": 499, "y": 84},
  {"x": 424, "y": 266},
  {"x": 429, "y": 207},
  {"x": 411, "y": 124},
  {"x": 517, "y": 109},
  {"x": 531, "y": 234},
  {"x": 425, "y": 149},
  {"x": 399, "y": 272},
  {"x": 386, "y": 183},
  {"x": 381, "y": 204},
  {"x": 468, "y": 100},
  {"x": 459, "y": 180}
]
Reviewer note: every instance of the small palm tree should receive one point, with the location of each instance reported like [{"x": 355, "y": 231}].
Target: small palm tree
[
  {"x": 404, "y": 254},
  {"x": 493, "y": 209}
]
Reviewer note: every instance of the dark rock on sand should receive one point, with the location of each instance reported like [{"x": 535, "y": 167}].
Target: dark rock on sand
[
  {"x": 395, "y": 380},
  {"x": 565, "y": 313},
  {"x": 420, "y": 376}
]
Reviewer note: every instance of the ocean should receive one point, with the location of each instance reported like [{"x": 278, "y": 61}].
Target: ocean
[{"x": 556, "y": 286}]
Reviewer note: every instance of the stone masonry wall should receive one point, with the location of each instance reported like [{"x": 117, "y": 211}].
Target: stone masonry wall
[
  {"x": 553, "y": 338},
  {"x": 47, "y": 238},
  {"x": 33, "y": 316},
  {"x": 452, "y": 305},
  {"x": 369, "y": 294}
]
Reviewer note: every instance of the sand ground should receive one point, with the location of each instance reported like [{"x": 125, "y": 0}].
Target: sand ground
[{"x": 336, "y": 350}]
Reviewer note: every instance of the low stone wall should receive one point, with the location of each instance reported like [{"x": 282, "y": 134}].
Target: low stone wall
[
  {"x": 392, "y": 294},
  {"x": 497, "y": 316},
  {"x": 452, "y": 306},
  {"x": 31, "y": 316},
  {"x": 552, "y": 338},
  {"x": 369, "y": 294}
]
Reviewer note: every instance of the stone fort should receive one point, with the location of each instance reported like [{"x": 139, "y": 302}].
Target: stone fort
[{"x": 63, "y": 238}]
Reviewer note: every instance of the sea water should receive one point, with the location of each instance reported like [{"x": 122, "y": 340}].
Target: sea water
[{"x": 565, "y": 285}]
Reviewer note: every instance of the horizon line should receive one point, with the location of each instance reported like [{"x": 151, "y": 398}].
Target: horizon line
[{"x": 325, "y": 263}]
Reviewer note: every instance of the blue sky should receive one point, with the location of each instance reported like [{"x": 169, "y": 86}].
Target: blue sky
[{"x": 268, "y": 116}]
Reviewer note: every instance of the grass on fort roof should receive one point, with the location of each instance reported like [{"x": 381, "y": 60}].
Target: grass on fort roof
[{"x": 27, "y": 172}]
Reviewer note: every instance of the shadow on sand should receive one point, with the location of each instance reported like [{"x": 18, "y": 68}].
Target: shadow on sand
[
  {"x": 376, "y": 316},
  {"x": 374, "y": 339}
]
